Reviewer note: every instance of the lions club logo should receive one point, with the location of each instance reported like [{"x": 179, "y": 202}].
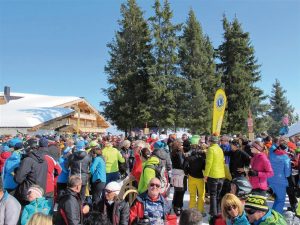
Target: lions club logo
[{"x": 220, "y": 102}]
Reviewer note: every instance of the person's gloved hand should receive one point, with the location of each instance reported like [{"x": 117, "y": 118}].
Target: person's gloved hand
[{"x": 252, "y": 173}]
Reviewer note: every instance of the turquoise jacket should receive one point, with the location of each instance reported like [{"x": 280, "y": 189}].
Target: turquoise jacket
[
  {"x": 38, "y": 205},
  {"x": 10, "y": 165},
  {"x": 98, "y": 169},
  {"x": 240, "y": 220}
]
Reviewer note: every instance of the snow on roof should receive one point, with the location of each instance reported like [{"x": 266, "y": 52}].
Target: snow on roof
[
  {"x": 30, "y": 116},
  {"x": 294, "y": 129},
  {"x": 34, "y": 100},
  {"x": 30, "y": 110}
]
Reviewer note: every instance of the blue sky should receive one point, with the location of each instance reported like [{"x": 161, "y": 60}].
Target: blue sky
[{"x": 58, "y": 47}]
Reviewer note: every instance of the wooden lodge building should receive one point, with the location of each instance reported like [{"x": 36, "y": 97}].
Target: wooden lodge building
[{"x": 32, "y": 113}]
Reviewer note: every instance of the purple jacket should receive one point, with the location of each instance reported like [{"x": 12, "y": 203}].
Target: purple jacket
[{"x": 262, "y": 165}]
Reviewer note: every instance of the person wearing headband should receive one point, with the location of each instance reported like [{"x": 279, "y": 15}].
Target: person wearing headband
[{"x": 38, "y": 203}]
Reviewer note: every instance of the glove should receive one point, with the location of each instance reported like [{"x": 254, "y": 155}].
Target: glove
[{"x": 252, "y": 173}]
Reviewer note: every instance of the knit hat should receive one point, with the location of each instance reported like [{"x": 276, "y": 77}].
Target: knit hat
[
  {"x": 291, "y": 146},
  {"x": 159, "y": 145},
  {"x": 214, "y": 138},
  {"x": 163, "y": 137},
  {"x": 18, "y": 145},
  {"x": 259, "y": 139},
  {"x": 113, "y": 186},
  {"x": 43, "y": 142},
  {"x": 32, "y": 143},
  {"x": 37, "y": 190},
  {"x": 257, "y": 202},
  {"x": 173, "y": 136},
  {"x": 153, "y": 136},
  {"x": 243, "y": 186},
  {"x": 80, "y": 145},
  {"x": 195, "y": 140},
  {"x": 93, "y": 144},
  {"x": 257, "y": 146}
]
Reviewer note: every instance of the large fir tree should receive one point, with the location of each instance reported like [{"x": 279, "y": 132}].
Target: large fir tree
[
  {"x": 240, "y": 72},
  {"x": 196, "y": 56},
  {"x": 163, "y": 80},
  {"x": 280, "y": 107},
  {"x": 128, "y": 70}
]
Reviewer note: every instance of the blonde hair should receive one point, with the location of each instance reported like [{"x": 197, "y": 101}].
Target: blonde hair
[
  {"x": 139, "y": 143},
  {"x": 230, "y": 200},
  {"x": 40, "y": 218},
  {"x": 126, "y": 144}
]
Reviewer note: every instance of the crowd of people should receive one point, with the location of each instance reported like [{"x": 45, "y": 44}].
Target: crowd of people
[{"x": 77, "y": 179}]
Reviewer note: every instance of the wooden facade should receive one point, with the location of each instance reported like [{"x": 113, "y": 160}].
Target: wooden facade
[{"x": 82, "y": 117}]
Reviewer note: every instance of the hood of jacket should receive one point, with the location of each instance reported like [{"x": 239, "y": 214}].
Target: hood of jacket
[
  {"x": 153, "y": 160},
  {"x": 15, "y": 156},
  {"x": 160, "y": 153},
  {"x": 68, "y": 192},
  {"x": 79, "y": 154},
  {"x": 272, "y": 217},
  {"x": 5, "y": 155},
  {"x": 40, "y": 203},
  {"x": 37, "y": 155}
]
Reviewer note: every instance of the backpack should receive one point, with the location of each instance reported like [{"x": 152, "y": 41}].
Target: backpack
[{"x": 161, "y": 173}]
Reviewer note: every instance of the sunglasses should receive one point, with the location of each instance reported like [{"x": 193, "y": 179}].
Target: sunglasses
[
  {"x": 250, "y": 211},
  {"x": 29, "y": 193},
  {"x": 156, "y": 185},
  {"x": 229, "y": 208}
]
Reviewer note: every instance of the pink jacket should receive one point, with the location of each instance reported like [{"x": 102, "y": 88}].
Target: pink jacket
[{"x": 262, "y": 165}]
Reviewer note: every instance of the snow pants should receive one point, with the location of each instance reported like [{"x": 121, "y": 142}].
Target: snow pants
[{"x": 196, "y": 188}]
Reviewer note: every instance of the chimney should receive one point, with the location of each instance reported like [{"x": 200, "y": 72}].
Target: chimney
[{"x": 6, "y": 94}]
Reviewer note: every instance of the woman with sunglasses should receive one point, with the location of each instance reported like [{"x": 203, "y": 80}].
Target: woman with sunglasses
[{"x": 233, "y": 210}]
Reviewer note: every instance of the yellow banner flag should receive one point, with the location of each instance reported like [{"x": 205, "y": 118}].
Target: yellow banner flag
[{"x": 218, "y": 110}]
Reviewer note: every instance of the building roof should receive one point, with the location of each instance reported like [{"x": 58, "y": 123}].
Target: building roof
[
  {"x": 30, "y": 110},
  {"x": 35, "y": 100},
  {"x": 294, "y": 129},
  {"x": 30, "y": 116}
]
